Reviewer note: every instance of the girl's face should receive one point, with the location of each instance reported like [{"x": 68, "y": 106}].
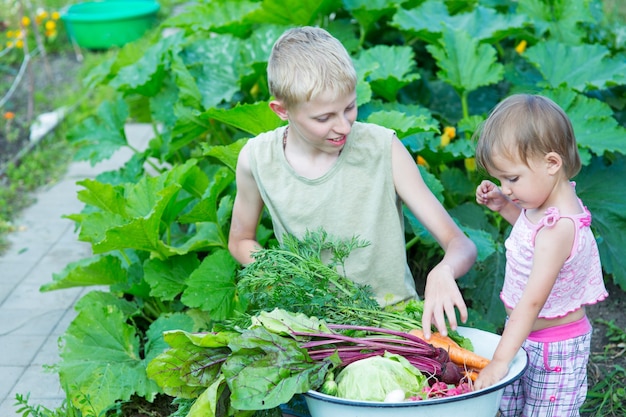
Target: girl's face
[
  {"x": 323, "y": 124},
  {"x": 528, "y": 185}
]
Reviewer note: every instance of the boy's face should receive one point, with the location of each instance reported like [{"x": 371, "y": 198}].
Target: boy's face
[{"x": 322, "y": 123}]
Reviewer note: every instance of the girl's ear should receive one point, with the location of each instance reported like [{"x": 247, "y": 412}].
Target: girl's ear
[
  {"x": 554, "y": 162},
  {"x": 280, "y": 110}
]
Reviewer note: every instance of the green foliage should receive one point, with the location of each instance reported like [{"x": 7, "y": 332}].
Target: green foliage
[{"x": 159, "y": 225}]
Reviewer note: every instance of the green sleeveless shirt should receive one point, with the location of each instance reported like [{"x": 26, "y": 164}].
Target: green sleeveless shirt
[{"x": 356, "y": 197}]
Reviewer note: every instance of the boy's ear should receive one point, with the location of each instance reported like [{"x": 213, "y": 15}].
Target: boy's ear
[
  {"x": 278, "y": 108},
  {"x": 554, "y": 162}
]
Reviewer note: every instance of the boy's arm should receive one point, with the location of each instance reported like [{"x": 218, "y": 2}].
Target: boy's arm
[
  {"x": 441, "y": 295},
  {"x": 552, "y": 248},
  {"x": 246, "y": 212}
]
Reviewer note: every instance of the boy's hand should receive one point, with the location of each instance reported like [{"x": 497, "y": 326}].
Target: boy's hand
[
  {"x": 441, "y": 299},
  {"x": 490, "y": 195}
]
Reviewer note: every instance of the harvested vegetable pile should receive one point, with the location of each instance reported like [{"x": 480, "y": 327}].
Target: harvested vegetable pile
[{"x": 307, "y": 327}]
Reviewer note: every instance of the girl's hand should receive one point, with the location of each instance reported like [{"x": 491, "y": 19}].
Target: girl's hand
[
  {"x": 491, "y": 374},
  {"x": 490, "y": 195}
]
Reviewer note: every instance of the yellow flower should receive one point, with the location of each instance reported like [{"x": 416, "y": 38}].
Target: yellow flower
[
  {"x": 521, "y": 47},
  {"x": 56, "y": 16},
  {"x": 421, "y": 161},
  {"x": 51, "y": 33},
  {"x": 470, "y": 164},
  {"x": 25, "y": 21},
  {"x": 50, "y": 25},
  {"x": 9, "y": 44},
  {"x": 19, "y": 43},
  {"x": 445, "y": 140},
  {"x": 10, "y": 34},
  {"x": 43, "y": 15},
  {"x": 450, "y": 131}
]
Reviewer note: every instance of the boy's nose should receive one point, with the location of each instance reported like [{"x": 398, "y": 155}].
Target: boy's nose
[{"x": 343, "y": 126}]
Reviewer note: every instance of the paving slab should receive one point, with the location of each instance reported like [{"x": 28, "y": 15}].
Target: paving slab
[{"x": 32, "y": 321}]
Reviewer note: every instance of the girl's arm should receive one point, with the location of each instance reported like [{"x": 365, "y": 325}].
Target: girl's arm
[
  {"x": 552, "y": 248},
  {"x": 246, "y": 212},
  {"x": 441, "y": 295},
  {"x": 490, "y": 195}
]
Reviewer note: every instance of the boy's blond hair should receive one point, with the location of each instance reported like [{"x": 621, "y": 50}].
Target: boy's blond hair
[
  {"x": 525, "y": 126},
  {"x": 307, "y": 61}
]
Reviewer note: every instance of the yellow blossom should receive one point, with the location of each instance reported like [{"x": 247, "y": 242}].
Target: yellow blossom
[
  {"x": 450, "y": 131},
  {"x": 56, "y": 16},
  {"x": 19, "y": 43},
  {"x": 470, "y": 164},
  {"x": 43, "y": 15},
  {"x": 421, "y": 161},
  {"x": 50, "y": 25},
  {"x": 9, "y": 44},
  {"x": 445, "y": 140},
  {"x": 10, "y": 34},
  {"x": 51, "y": 33},
  {"x": 25, "y": 21},
  {"x": 521, "y": 47}
]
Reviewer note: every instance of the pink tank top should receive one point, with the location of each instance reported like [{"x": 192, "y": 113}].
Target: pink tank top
[{"x": 580, "y": 281}]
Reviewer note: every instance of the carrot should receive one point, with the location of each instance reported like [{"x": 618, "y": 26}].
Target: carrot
[{"x": 460, "y": 356}]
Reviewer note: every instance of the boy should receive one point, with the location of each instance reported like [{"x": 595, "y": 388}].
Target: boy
[{"x": 325, "y": 170}]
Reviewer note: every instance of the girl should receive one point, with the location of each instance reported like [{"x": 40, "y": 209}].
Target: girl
[{"x": 552, "y": 263}]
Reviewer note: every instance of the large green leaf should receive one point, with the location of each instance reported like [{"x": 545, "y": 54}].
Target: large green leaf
[
  {"x": 167, "y": 278},
  {"x": 211, "y": 287},
  {"x": 266, "y": 370},
  {"x": 482, "y": 285},
  {"x": 598, "y": 186},
  {"x": 251, "y": 118},
  {"x": 220, "y": 16},
  {"x": 188, "y": 368},
  {"x": 560, "y": 18},
  {"x": 579, "y": 67},
  {"x": 370, "y": 12},
  {"x": 156, "y": 344},
  {"x": 402, "y": 123},
  {"x": 101, "y": 135},
  {"x": 425, "y": 21},
  {"x": 394, "y": 68},
  {"x": 146, "y": 76},
  {"x": 96, "y": 270},
  {"x": 593, "y": 121},
  {"x": 430, "y": 19},
  {"x": 464, "y": 63},
  {"x": 302, "y": 12},
  {"x": 216, "y": 65},
  {"x": 101, "y": 362}
]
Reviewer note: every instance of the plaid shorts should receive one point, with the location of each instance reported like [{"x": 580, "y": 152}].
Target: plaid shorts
[{"x": 555, "y": 383}]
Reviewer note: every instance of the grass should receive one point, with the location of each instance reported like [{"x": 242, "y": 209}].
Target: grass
[{"x": 607, "y": 398}]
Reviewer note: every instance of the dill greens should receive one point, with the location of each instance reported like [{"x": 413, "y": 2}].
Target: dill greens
[{"x": 306, "y": 276}]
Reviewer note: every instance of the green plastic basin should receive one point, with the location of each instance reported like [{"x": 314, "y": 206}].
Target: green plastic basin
[{"x": 106, "y": 24}]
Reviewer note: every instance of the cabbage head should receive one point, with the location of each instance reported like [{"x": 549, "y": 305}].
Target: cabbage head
[{"x": 371, "y": 379}]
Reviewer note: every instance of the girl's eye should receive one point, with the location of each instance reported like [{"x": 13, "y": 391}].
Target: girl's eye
[{"x": 512, "y": 179}]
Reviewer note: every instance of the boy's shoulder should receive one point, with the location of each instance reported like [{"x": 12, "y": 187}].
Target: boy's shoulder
[{"x": 361, "y": 129}]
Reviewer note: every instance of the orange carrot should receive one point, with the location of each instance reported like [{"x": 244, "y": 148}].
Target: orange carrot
[{"x": 458, "y": 355}]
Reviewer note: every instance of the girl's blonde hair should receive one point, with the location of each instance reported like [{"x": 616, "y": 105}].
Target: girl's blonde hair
[
  {"x": 525, "y": 126},
  {"x": 307, "y": 61}
]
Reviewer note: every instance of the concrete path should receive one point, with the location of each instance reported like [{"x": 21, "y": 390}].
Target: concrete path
[{"x": 42, "y": 245}]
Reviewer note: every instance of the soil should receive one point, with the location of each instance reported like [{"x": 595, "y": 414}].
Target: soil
[
  {"x": 606, "y": 354},
  {"x": 52, "y": 77}
]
